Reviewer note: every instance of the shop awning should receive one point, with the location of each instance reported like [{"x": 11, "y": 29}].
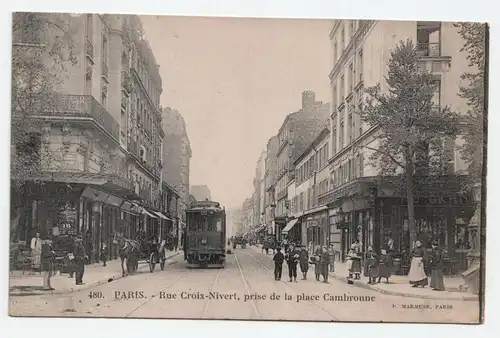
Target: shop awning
[
  {"x": 289, "y": 226},
  {"x": 161, "y": 215},
  {"x": 315, "y": 210},
  {"x": 260, "y": 229},
  {"x": 145, "y": 212}
]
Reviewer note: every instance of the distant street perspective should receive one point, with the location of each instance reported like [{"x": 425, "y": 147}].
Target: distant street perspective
[{"x": 179, "y": 167}]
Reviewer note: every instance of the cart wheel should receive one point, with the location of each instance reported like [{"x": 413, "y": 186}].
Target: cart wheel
[
  {"x": 152, "y": 262},
  {"x": 162, "y": 264}
]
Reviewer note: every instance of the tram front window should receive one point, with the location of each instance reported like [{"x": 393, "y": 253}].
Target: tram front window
[{"x": 200, "y": 222}]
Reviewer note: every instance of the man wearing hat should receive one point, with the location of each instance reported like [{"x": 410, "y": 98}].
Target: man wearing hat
[
  {"x": 79, "y": 253},
  {"x": 278, "y": 259}
]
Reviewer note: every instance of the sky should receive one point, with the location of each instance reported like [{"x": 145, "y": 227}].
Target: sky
[{"x": 234, "y": 81}]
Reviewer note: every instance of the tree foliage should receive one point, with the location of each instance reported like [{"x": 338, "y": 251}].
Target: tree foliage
[
  {"x": 410, "y": 139},
  {"x": 42, "y": 50},
  {"x": 474, "y": 37}
]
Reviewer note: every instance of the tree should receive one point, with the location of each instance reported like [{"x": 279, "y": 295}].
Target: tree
[
  {"x": 474, "y": 36},
  {"x": 411, "y": 129},
  {"x": 42, "y": 49}
]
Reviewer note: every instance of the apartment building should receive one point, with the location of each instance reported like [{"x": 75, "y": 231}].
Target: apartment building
[
  {"x": 296, "y": 133},
  {"x": 362, "y": 205},
  {"x": 100, "y": 129},
  {"x": 270, "y": 184}
]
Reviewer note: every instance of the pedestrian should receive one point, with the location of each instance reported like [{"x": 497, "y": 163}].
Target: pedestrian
[
  {"x": 70, "y": 258},
  {"x": 265, "y": 246},
  {"x": 80, "y": 256},
  {"x": 354, "y": 263},
  {"x": 324, "y": 262},
  {"x": 36, "y": 251},
  {"x": 437, "y": 279},
  {"x": 417, "y": 274},
  {"x": 278, "y": 259},
  {"x": 47, "y": 263},
  {"x": 331, "y": 257},
  {"x": 304, "y": 261},
  {"x": 292, "y": 258},
  {"x": 371, "y": 266},
  {"x": 175, "y": 242},
  {"x": 285, "y": 244},
  {"x": 315, "y": 259},
  {"x": 104, "y": 254},
  {"x": 384, "y": 269}
]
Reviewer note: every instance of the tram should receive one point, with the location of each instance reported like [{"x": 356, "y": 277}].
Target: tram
[{"x": 205, "y": 235}]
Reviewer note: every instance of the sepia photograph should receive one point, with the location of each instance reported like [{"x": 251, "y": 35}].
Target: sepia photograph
[{"x": 262, "y": 169}]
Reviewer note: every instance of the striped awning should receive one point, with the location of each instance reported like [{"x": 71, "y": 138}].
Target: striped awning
[{"x": 289, "y": 226}]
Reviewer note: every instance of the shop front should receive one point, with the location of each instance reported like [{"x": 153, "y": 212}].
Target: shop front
[
  {"x": 279, "y": 224},
  {"x": 71, "y": 204},
  {"x": 351, "y": 215},
  {"x": 316, "y": 228},
  {"x": 292, "y": 230}
]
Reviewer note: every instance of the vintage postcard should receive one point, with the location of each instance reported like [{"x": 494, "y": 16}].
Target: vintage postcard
[{"x": 247, "y": 169}]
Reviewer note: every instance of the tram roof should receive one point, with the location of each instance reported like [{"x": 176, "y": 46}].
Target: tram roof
[{"x": 195, "y": 209}]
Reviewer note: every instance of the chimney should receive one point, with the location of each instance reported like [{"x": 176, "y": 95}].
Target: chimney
[{"x": 308, "y": 100}]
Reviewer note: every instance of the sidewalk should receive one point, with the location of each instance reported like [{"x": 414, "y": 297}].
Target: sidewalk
[
  {"x": 400, "y": 285},
  {"x": 95, "y": 274}
]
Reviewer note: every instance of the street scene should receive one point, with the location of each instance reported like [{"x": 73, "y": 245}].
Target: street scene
[
  {"x": 220, "y": 294},
  {"x": 178, "y": 167}
]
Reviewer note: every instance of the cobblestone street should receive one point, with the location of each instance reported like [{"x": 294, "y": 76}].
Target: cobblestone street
[{"x": 242, "y": 290}]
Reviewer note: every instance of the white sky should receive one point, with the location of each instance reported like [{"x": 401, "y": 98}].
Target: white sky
[{"x": 234, "y": 80}]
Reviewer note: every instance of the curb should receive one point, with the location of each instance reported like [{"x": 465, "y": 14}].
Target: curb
[
  {"x": 87, "y": 286},
  {"x": 408, "y": 295}
]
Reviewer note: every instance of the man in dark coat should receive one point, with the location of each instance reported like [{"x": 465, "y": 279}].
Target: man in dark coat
[
  {"x": 278, "y": 259},
  {"x": 292, "y": 258},
  {"x": 80, "y": 255},
  {"x": 304, "y": 261},
  {"x": 323, "y": 263}
]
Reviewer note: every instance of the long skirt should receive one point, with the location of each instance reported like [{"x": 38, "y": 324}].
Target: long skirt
[
  {"x": 355, "y": 266},
  {"x": 437, "y": 280},
  {"x": 304, "y": 266},
  {"x": 384, "y": 271},
  {"x": 36, "y": 260},
  {"x": 417, "y": 274}
]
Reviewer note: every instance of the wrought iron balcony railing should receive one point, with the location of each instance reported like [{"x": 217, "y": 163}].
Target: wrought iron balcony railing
[
  {"x": 429, "y": 49},
  {"x": 83, "y": 107}
]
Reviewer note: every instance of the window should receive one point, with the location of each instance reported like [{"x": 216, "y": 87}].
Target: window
[
  {"x": 89, "y": 28},
  {"x": 349, "y": 128},
  {"x": 436, "y": 99},
  {"x": 342, "y": 89},
  {"x": 350, "y": 78},
  {"x": 341, "y": 136},
  {"x": 104, "y": 49},
  {"x": 360, "y": 165},
  {"x": 104, "y": 97},
  {"x": 335, "y": 52},
  {"x": 342, "y": 39},
  {"x": 360, "y": 65}
]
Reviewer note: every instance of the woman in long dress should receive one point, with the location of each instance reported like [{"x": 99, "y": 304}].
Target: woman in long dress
[
  {"x": 371, "y": 266},
  {"x": 355, "y": 264},
  {"x": 384, "y": 270},
  {"x": 36, "y": 251},
  {"x": 417, "y": 274},
  {"x": 437, "y": 279}
]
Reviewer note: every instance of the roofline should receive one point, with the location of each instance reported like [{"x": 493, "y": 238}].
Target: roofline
[{"x": 316, "y": 141}]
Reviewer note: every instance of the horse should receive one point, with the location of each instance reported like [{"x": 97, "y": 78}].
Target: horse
[{"x": 129, "y": 250}]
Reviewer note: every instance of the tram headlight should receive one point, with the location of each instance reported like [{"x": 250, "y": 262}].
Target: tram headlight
[{"x": 204, "y": 241}]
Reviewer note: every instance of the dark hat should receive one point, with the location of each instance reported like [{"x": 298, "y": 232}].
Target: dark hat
[{"x": 278, "y": 248}]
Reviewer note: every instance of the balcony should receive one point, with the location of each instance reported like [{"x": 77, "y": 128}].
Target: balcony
[
  {"x": 104, "y": 71},
  {"x": 429, "y": 49},
  {"x": 80, "y": 108},
  {"x": 89, "y": 50},
  {"x": 133, "y": 148}
]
